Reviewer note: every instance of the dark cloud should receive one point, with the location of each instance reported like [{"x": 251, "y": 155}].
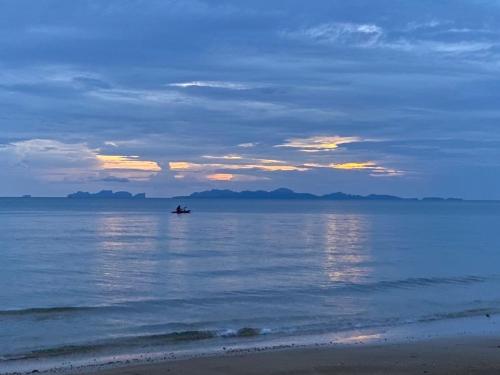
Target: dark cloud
[{"x": 120, "y": 180}]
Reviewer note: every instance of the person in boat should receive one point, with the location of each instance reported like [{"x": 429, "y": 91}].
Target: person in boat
[{"x": 178, "y": 209}]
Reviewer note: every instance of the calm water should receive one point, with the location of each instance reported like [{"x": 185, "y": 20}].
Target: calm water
[{"x": 127, "y": 276}]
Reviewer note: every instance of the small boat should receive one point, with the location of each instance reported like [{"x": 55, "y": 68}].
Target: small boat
[{"x": 182, "y": 212}]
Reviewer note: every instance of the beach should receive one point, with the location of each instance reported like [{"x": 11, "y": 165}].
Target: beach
[{"x": 458, "y": 355}]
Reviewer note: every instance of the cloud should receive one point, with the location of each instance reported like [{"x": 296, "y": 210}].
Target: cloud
[
  {"x": 51, "y": 160},
  {"x": 212, "y": 84},
  {"x": 267, "y": 167},
  {"x": 244, "y": 107},
  {"x": 224, "y": 157},
  {"x": 375, "y": 169},
  {"x": 132, "y": 96},
  {"x": 340, "y": 33},
  {"x": 242, "y": 158},
  {"x": 46, "y": 151},
  {"x": 417, "y": 37},
  {"x": 248, "y": 144},
  {"x": 183, "y": 166},
  {"x": 131, "y": 163},
  {"x": 231, "y": 177},
  {"x": 432, "y": 24},
  {"x": 110, "y": 143},
  {"x": 217, "y": 171},
  {"x": 427, "y": 46},
  {"x": 318, "y": 143},
  {"x": 355, "y": 165},
  {"x": 220, "y": 177},
  {"x": 56, "y": 161},
  {"x": 115, "y": 179},
  {"x": 50, "y": 74}
]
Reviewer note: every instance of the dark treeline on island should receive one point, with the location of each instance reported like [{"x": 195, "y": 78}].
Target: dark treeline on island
[
  {"x": 290, "y": 194},
  {"x": 106, "y": 194}
]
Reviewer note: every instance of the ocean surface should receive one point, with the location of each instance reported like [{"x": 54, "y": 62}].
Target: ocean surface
[{"x": 90, "y": 278}]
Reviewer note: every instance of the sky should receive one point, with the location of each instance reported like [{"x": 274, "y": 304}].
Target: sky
[{"x": 169, "y": 97}]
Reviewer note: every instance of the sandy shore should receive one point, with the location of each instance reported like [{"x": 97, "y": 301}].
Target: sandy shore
[{"x": 441, "y": 356}]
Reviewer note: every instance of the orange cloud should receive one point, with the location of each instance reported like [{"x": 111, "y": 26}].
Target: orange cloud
[
  {"x": 219, "y": 171},
  {"x": 182, "y": 166},
  {"x": 319, "y": 143},
  {"x": 194, "y": 167},
  {"x": 376, "y": 170},
  {"x": 132, "y": 163},
  {"x": 278, "y": 168},
  {"x": 220, "y": 177},
  {"x": 355, "y": 165}
]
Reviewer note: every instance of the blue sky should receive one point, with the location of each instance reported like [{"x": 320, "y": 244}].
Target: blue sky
[{"x": 170, "y": 97}]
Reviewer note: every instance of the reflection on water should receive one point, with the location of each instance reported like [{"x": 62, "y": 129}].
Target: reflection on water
[
  {"x": 178, "y": 233},
  {"x": 347, "y": 248},
  {"x": 185, "y": 253},
  {"x": 125, "y": 252}
]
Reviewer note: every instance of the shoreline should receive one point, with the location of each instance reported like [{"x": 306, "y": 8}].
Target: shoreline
[
  {"x": 452, "y": 355},
  {"x": 467, "y": 355},
  {"x": 389, "y": 343}
]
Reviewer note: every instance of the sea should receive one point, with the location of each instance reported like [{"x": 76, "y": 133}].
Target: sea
[{"x": 95, "y": 281}]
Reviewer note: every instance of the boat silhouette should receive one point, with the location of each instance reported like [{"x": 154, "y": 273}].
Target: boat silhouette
[{"x": 180, "y": 210}]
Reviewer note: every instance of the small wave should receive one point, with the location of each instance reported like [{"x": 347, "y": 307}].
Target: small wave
[
  {"x": 263, "y": 295},
  {"x": 186, "y": 336},
  {"x": 415, "y": 283},
  {"x": 48, "y": 310},
  {"x": 259, "y": 295},
  {"x": 180, "y": 336},
  {"x": 470, "y": 313},
  {"x": 136, "y": 341},
  {"x": 244, "y": 332}
]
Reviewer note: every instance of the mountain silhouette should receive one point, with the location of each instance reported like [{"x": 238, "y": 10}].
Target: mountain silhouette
[
  {"x": 284, "y": 193},
  {"x": 106, "y": 194}
]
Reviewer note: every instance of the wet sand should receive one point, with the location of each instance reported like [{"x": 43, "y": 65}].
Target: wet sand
[{"x": 460, "y": 355}]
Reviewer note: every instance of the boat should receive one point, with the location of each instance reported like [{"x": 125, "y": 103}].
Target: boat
[{"x": 183, "y": 211}]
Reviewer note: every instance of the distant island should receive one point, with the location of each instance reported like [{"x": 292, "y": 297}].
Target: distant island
[
  {"x": 284, "y": 193},
  {"x": 106, "y": 194}
]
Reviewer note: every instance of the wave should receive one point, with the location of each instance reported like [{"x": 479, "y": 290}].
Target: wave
[
  {"x": 469, "y": 313},
  {"x": 415, "y": 282},
  {"x": 143, "y": 341},
  {"x": 258, "y": 295},
  {"x": 137, "y": 341},
  {"x": 49, "y": 310}
]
